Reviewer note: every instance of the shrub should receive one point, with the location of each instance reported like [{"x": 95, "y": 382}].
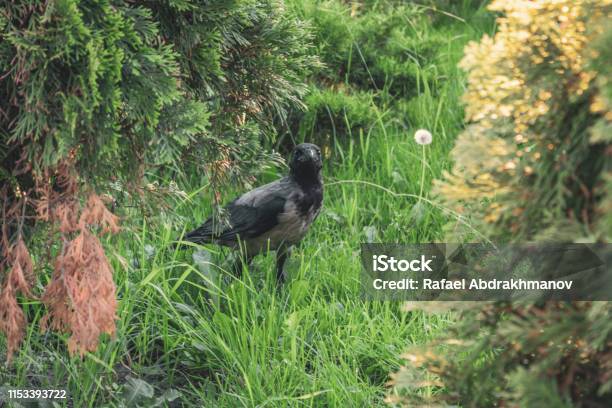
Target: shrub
[
  {"x": 334, "y": 112},
  {"x": 94, "y": 92},
  {"x": 534, "y": 163},
  {"x": 374, "y": 53},
  {"x": 527, "y": 166},
  {"x": 370, "y": 47}
]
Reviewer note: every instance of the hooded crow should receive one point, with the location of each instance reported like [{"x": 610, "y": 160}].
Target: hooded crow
[{"x": 275, "y": 216}]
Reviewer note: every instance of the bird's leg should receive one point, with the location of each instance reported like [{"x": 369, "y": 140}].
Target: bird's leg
[
  {"x": 281, "y": 257},
  {"x": 243, "y": 260}
]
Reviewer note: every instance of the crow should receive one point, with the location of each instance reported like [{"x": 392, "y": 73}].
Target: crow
[{"x": 275, "y": 216}]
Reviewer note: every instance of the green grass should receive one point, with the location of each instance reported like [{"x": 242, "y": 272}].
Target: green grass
[{"x": 241, "y": 342}]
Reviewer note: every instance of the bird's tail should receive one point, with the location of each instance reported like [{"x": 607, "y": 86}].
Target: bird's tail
[{"x": 201, "y": 235}]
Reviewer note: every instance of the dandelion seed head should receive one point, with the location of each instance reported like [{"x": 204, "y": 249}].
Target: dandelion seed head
[{"x": 423, "y": 137}]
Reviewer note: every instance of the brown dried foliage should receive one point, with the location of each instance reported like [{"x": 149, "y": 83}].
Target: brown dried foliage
[
  {"x": 20, "y": 278},
  {"x": 81, "y": 294}
]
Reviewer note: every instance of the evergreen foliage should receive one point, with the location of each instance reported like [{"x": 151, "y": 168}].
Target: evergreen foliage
[
  {"x": 141, "y": 84},
  {"x": 527, "y": 166},
  {"x": 533, "y": 164}
]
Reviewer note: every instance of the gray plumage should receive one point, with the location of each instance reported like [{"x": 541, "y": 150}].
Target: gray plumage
[{"x": 275, "y": 216}]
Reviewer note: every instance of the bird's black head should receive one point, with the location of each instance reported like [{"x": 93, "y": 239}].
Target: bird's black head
[{"x": 305, "y": 165}]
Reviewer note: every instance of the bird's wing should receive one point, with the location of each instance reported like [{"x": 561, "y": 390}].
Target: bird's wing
[
  {"x": 250, "y": 215},
  {"x": 249, "y": 221}
]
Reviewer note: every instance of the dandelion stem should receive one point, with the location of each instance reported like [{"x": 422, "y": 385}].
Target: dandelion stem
[{"x": 422, "y": 173}]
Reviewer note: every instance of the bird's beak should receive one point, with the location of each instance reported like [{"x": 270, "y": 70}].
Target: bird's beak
[{"x": 312, "y": 154}]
